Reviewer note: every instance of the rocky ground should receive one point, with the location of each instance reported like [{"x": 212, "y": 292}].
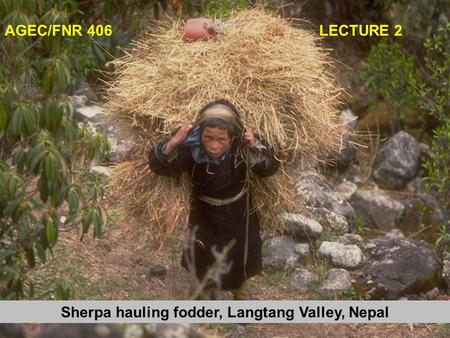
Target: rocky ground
[
  {"x": 363, "y": 221},
  {"x": 359, "y": 238},
  {"x": 122, "y": 265}
]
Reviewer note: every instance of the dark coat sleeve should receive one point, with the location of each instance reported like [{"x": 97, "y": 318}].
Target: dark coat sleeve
[
  {"x": 262, "y": 160},
  {"x": 172, "y": 164}
]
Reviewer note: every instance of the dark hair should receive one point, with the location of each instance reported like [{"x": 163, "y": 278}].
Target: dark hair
[
  {"x": 215, "y": 122},
  {"x": 219, "y": 123}
]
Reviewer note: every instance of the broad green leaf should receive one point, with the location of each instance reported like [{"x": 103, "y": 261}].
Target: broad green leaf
[
  {"x": 41, "y": 252},
  {"x": 30, "y": 256},
  {"x": 35, "y": 160},
  {"x": 50, "y": 186},
  {"x": 12, "y": 186},
  {"x": 30, "y": 120},
  {"x": 51, "y": 231},
  {"x": 62, "y": 83},
  {"x": 65, "y": 68},
  {"x": 55, "y": 119},
  {"x": 47, "y": 81},
  {"x": 97, "y": 224},
  {"x": 37, "y": 148},
  {"x": 72, "y": 199},
  {"x": 86, "y": 221},
  {"x": 3, "y": 117},
  {"x": 16, "y": 123},
  {"x": 58, "y": 195},
  {"x": 19, "y": 159},
  {"x": 42, "y": 186},
  {"x": 50, "y": 167}
]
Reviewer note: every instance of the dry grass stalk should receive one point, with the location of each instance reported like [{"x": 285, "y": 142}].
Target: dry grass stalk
[{"x": 273, "y": 72}]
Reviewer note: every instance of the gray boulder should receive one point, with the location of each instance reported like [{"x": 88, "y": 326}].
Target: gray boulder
[
  {"x": 347, "y": 153},
  {"x": 421, "y": 210},
  {"x": 93, "y": 114},
  {"x": 82, "y": 88},
  {"x": 394, "y": 234},
  {"x": 330, "y": 219},
  {"x": 78, "y": 101},
  {"x": 432, "y": 294},
  {"x": 421, "y": 207},
  {"x": 95, "y": 118},
  {"x": 281, "y": 252},
  {"x": 315, "y": 190},
  {"x": 346, "y": 189},
  {"x": 348, "y": 239},
  {"x": 301, "y": 280},
  {"x": 334, "y": 283},
  {"x": 302, "y": 249},
  {"x": 341, "y": 255},
  {"x": 376, "y": 208},
  {"x": 397, "y": 161},
  {"x": 101, "y": 170},
  {"x": 399, "y": 267},
  {"x": 416, "y": 186},
  {"x": 300, "y": 227}
]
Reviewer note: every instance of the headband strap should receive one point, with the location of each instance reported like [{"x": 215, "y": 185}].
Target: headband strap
[{"x": 220, "y": 111}]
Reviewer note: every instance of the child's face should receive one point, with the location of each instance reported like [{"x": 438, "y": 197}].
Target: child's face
[{"x": 215, "y": 141}]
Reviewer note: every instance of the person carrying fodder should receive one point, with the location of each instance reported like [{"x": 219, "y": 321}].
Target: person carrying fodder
[{"x": 218, "y": 153}]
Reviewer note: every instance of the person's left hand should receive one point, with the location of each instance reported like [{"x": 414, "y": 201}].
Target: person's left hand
[{"x": 250, "y": 138}]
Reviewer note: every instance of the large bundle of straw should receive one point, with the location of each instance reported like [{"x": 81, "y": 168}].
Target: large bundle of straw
[{"x": 272, "y": 71}]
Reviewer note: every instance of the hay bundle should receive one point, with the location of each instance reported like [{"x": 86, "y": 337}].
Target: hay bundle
[{"x": 273, "y": 72}]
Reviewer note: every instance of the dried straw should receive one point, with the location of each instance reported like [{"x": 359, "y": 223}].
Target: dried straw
[{"x": 275, "y": 73}]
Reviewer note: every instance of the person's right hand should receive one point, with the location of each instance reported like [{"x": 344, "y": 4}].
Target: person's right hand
[
  {"x": 178, "y": 138},
  {"x": 182, "y": 133}
]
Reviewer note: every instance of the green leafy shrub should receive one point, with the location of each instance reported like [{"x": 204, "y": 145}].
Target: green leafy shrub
[
  {"x": 44, "y": 156},
  {"x": 86, "y": 60},
  {"x": 438, "y": 166},
  {"x": 435, "y": 92},
  {"x": 436, "y": 101},
  {"x": 419, "y": 95},
  {"x": 391, "y": 74}
]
